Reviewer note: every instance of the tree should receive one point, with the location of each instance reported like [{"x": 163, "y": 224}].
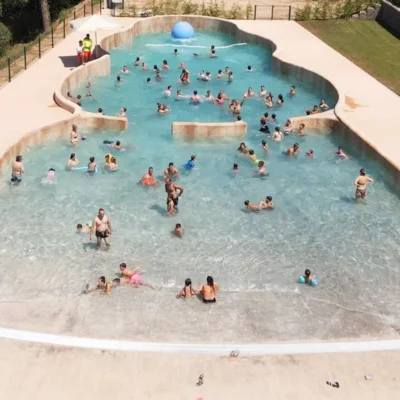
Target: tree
[{"x": 44, "y": 7}]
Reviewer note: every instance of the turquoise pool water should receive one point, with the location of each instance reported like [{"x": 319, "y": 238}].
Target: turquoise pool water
[{"x": 352, "y": 248}]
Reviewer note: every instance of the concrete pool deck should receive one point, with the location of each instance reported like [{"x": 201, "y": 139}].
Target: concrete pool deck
[
  {"x": 47, "y": 372},
  {"x": 365, "y": 106}
]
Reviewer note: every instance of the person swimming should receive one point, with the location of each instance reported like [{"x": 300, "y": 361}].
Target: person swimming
[
  {"x": 323, "y": 106},
  {"x": 264, "y": 145},
  {"x": 219, "y": 100},
  {"x": 268, "y": 101},
  {"x": 252, "y": 155},
  {"x": 122, "y": 113},
  {"x": 84, "y": 228},
  {"x": 280, "y": 100},
  {"x": 137, "y": 62},
  {"x": 133, "y": 277},
  {"x": 261, "y": 171},
  {"x": 111, "y": 162},
  {"x": 252, "y": 207},
  {"x": 167, "y": 92},
  {"x": 292, "y": 91},
  {"x": 249, "y": 68},
  {"x": 242, "y": 148},
  {"x": 162, "y": 109},
  {"x": 73, "y": 161},
  {"x": 267, "y": 204},
  {"x": 148, "y": 178},
  {"x": 191, "y": 163},
  {"x": 195, "y": 98},
  {"x": 288, "y": 127},
  {"x": 178, "y": 230},
  {"x": 277, "y": 135},
  {"x": 51, "y": 175},
  {"x": 175, "y": 53},
  {"x": 179, "y": 95},
  {"x": 292, "y": 151},
  {"x": 209, "y": 290},
  {"x": 125, "y": 70},
  {"x": 235, "y": 167},
  {"x": 220, "y": 75},
  {"x": 310, "y": 153},
  {"x": 171, "y": 171},
  {"x": 115, "y": 145},
  {"x": 308, "y": 277},
  {"x": 248, "y": 93},
  {"x": 92, "y": 166},
  {"x": 145, "y": 67},
  {"x": 341, "y": 154},
  {"x": 103, "y": 285},
  {"x": 165, "y": 65},
  {"x": 262, "y": 92},
  {"x": 187, "y": 291},
  {"x": 209, "y": 96},
  {"x": 301, "y": 131},
  {"x": 184, "y": 78}
]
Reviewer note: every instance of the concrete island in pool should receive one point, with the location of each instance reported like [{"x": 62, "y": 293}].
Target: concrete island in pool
[{"x": 360, "y": 99}]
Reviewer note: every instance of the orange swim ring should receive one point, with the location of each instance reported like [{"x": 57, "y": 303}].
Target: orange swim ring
[{"x": 148, "y": 182}]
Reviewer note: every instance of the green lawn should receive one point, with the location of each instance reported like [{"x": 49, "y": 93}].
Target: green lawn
[{"x": 366, "y": 44}]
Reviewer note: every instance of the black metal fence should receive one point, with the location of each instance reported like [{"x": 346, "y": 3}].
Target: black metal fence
[
  {"x": 273, "y": 12},
  {"x": 268, "y": 12},
  {"x": 19, "y": 58}
]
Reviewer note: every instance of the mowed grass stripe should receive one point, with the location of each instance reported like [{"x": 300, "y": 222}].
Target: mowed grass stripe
[{"x": 365, "y": 43}]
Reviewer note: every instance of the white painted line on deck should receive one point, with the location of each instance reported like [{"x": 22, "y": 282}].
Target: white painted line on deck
[{"x": 217, "y": 349}]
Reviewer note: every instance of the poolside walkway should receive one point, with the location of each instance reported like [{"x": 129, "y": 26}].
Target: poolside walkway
[{"x": 47, "y": 373}]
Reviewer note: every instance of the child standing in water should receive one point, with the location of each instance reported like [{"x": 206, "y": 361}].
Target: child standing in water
[{"x": 187, "y": 291}]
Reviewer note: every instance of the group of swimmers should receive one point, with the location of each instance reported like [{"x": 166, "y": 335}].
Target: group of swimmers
[
  {"x": 101, "y": 225},
  {"x": 133, "y": 277}
]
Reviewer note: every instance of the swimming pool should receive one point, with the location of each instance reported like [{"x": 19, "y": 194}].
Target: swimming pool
[{"x": 315, "y": 224}]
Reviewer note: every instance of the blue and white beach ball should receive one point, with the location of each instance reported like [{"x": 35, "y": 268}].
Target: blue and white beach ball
[{"x": 182, "y": 30}]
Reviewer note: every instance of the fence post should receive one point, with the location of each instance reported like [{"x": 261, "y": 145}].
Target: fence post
[
  {"x": 52, "y": 37},
  {"x": 255, "y": 12},
  {"x": 64, "y": 28},
  {"x": 84, "y": 10},
  {"x": 9, "y": 69},
  {"x": 272, "y": 12},
  {"x": 74, "y": 14},
  {"x": 25, "y": 57},
  {"x": 91, "y": 6},
  {"x": 40, "y": 50},
  {"x": 100, "y": 5},
  {"x": 290, "y": 13}
]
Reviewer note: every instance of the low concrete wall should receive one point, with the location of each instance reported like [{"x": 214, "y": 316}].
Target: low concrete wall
[
  {"x": 58, "y": 130},
  {"x": 209, "y": 130},
  {"x": 324, "y": 122},
  {"x": 80, "y": 75},
  {"x": 389, "y": 16}
]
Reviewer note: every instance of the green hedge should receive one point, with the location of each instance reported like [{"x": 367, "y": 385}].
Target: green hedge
[
  {"x": 325, "y": 9},
  {"x": 24, "y": 18},
  {"x": 5, "y": 38}
]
